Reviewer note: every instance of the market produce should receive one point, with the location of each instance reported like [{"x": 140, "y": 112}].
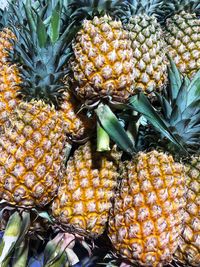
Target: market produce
[
  {"x": 148, "y": 216},
  {"x": 148, "y": 44},
  {"x": 88, "y": 187},
  {"x": 181, "y": 24}
]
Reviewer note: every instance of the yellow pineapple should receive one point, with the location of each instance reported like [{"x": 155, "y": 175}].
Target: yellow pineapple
[
  {"x": 189, "y": 247},
  {"x": 147, "y": 217},
  {"x": 84, "y": 197},
  {"x": 182, "y": 34},
  {"x": 9, "y": 86},
  {"x": 148, "y": 222},
  {"x": 102, "y": 64},
  {"x": 149, "y": 47},
  {"x": 77, "y": 125},
  {"x": 31, "y": 155},
  {"x": 5, "y": 44}
]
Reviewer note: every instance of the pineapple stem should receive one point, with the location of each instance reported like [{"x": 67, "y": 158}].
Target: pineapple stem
[
  {"x": 21, "y": 254},
  {"x": 103, "y": 139}
]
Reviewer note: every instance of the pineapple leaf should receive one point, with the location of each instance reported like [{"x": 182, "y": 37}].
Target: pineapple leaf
[
  {"x": 112, "y": 126},
  {"x": 175, "y": 79},
  {"x": 194, "y": 89},
  {"x": 141, "y": 104},
  {"x": 30, "y": 18},
  {"x": 55, "y": 24},
  {"x": 41, "y": 32}
]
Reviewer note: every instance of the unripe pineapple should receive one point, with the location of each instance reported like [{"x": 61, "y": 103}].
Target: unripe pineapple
[
  {"x": 189, "y": 247},
  {"x": 84, "y": 197},
  {"x": 149, "y": 47},
  {"x": 31, "y": 155},
  {"x": 147, "y": 216},
  {"x": 182, "y": 34},
  {"x": 102, "y": 65}
]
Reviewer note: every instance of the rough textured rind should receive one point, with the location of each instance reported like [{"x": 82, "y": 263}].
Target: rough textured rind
[
  {"x": 9, "y": 85},
  {"x": 149, "y": 53},
  {"x": 189, "y": 248},
  {"x": 77, "y": 125},
  {"x": 5, "y": 44},
  {"x": 102, "y": 64},
  {"x": 147, "y": 217},
  {"x": 183, "y": 39},
  {"x": 31, "y": 159},
  {"x": 84, "y": 197}
]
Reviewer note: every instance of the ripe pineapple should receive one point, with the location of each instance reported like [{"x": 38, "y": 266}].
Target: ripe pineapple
[
  {"x": 32, "y": 145},
  {"x": 182, "y": 34},
  {"x": 149, "y": 47},
  {"x": 9, "y": 85},
  {"x": 147, "y": 217},
  {"x": 189, "y": 247},
  {"x": 102, "y": 65},
  {"x": 84, "y": 197},
  {"x": 77, "y": 125}
]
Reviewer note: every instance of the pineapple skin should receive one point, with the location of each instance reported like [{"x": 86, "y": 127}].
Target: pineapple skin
[
  {"x": 189, "y": 248},
  {"x": 9, "y": 85},
  {"x": 84, "y": 197},
  {"x": 102, "y": 64},
  {"x": 5, "y": 44},
  {"x": 31, "y": 155},
  {"x": 76, "y": 124},
  {"x": 146, "y": 219},
  {"x": 183, "y": 39},
  {"x": 149, "y": 53}
]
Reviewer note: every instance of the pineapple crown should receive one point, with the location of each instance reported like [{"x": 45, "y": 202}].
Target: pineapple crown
[
  {"x": 180, "y": 108},
  {"x": 174, "y": 124},
  {"x": 170, "y": 8},
  {"x": 87, "y": 9},
  {"x": 42, "y": 49},
  {"x": 137, "y": 7}
]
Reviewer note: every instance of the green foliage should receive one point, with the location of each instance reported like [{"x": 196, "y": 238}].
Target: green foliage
[{"x": 43, "y": 49}]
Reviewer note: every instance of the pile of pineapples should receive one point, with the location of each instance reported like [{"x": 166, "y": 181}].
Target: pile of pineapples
[{"x": 100, "y": 133}]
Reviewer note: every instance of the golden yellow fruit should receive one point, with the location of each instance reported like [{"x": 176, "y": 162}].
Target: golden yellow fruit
[
  {"x": 146, "y": 219},
  {"x": 9, "y": 85},
  {"x": 31, "y": 155},
  {"x": 102, "y": 65},
  {"x": 84, "y": 197},
  {"x": 189, "y": 248}
]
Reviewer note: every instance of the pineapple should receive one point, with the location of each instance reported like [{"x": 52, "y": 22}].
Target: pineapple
[
  {"x": 32, "y": 145},
  {"x": 77, "y": 125},
  {"x": 189, "y": 247},
  {"x": 6, "y": 35},
  {"x": 147, "y": 221},
  {"x": 149, "y": 47},
  {"x": 182, "y": 34},
  {"x": 84, "y": 197},
  {"x": 102, "y": 64}
]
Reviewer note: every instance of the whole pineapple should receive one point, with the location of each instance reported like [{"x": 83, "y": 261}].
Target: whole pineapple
[
  {"x": 182, "y": 33},
  {"x": 148, "y": 215},
  {"x": 32, "y": 144},
  {"x": 102, "y": 65},
  {"x": 149, "y": 47},
  {"x": 84, "y": 197}
]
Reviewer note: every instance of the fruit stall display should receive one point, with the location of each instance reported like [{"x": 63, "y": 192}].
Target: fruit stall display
[{"x": 99, "y": 133}]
